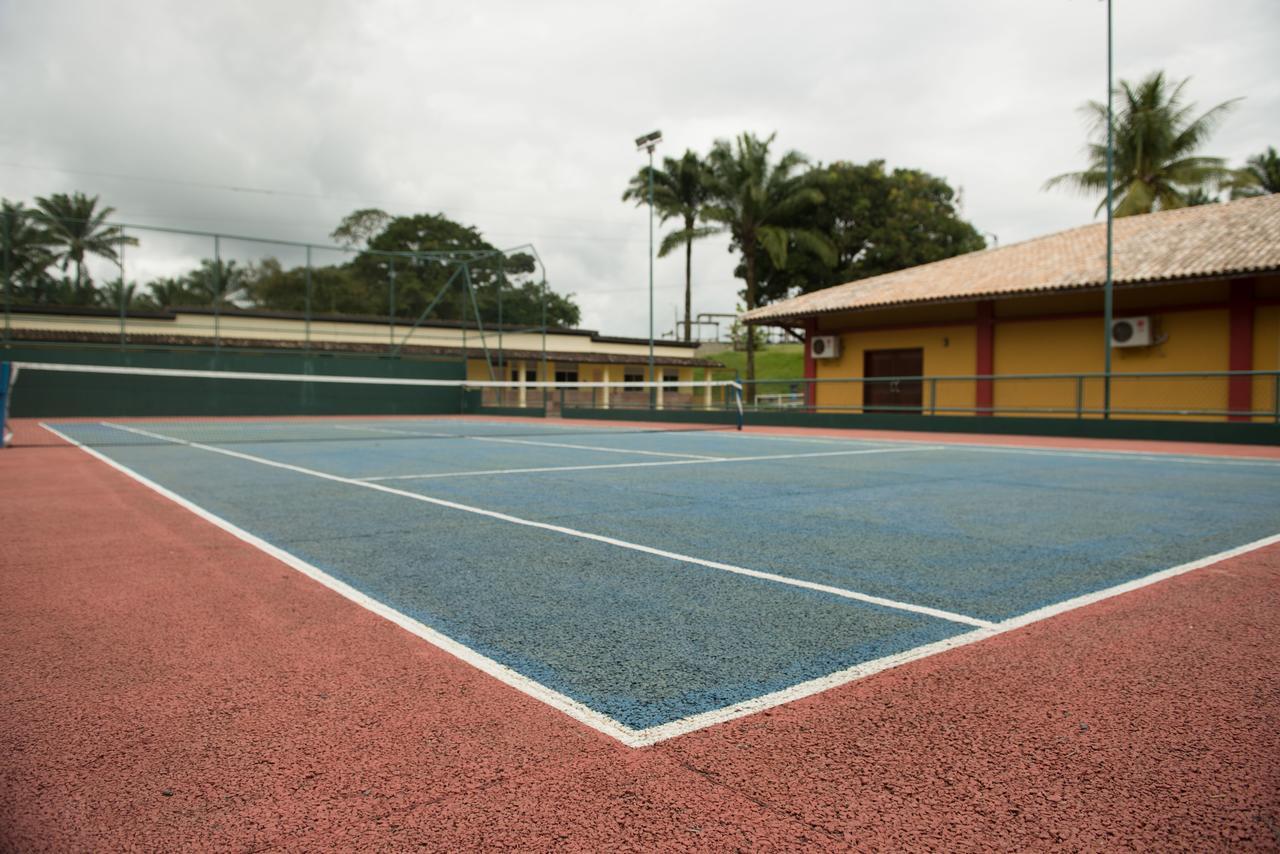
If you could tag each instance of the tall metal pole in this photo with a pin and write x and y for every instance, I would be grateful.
(5, 217)
(306, 321)
(652, 390)
(1107, 292)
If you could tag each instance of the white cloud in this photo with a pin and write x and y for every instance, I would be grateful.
(519, 117)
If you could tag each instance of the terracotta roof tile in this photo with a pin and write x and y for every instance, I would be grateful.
(1208, 240)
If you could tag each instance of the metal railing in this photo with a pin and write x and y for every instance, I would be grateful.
(1206, 395)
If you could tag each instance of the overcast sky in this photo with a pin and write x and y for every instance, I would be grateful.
(519, 118)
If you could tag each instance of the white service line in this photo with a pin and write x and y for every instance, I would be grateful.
(573, 532)
(357, 429)
(522, 442)
(592, 448)
(650, 464)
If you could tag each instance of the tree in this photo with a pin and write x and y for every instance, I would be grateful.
(679, 191)
(74, 228)
(759, 203)
(359, 227)
(1260, 177)
(28, 255)
(1155, 138)
(879, 222)
(399, 252)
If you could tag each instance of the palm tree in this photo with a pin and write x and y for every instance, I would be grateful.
(756, 201)
(1260, 177)
(26, 253)
(679, 190)
(1155, 140)
(170, 291)
(75, 228)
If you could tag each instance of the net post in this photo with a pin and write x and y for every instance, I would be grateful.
(737, 398)
(6, 375)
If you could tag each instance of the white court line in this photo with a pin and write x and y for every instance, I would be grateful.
(572, 532)
(1037, 450)
(522, 442)
(652, 735)
(593, 448)
(572, 708)
(356, 429)
(650, 464)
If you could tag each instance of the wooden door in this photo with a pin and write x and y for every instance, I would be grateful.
(901, 393)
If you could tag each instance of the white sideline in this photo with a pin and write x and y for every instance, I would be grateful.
(629, 736)
(573, 532)
(572, 708)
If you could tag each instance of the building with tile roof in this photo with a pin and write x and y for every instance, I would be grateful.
(1198, 289)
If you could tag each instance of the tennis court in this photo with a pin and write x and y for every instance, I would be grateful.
(650, 582)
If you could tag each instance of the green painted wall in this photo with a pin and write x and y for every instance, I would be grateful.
(37, 394)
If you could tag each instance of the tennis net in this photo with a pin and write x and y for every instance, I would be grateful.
(54, 403)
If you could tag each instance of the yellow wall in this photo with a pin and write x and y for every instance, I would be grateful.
(1029, 339)
(1191, 341)
(948, 351)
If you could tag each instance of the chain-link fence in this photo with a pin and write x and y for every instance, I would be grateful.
(88, 280)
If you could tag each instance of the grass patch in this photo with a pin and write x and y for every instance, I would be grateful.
(773, 362)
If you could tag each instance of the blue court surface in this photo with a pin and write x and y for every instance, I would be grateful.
(654, 576)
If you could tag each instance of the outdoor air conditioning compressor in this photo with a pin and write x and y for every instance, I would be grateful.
(824, 347)
(1131, 332)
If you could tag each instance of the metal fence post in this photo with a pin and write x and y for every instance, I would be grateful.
(933, 396)
(5, 220)
(124, 308)
(1080, 397)
(217, 292)
(306, 312)
(391, 304)
(1276, 399)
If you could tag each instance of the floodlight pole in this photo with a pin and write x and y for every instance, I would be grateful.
(1108, 289)
(649, 142)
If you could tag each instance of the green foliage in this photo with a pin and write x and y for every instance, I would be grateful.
(1155, 137)
(762, 204)
(74, 227)
(359, 227)
(878, 222)
(421, 254)
(1259, 177)
(680, 191)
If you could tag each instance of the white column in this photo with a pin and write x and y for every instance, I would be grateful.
(522, 392)
(706, 392)
(604, 377)
(658, 374)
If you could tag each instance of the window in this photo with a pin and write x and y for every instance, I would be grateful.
(670, 378)
(530, 376)
(629, 378)
(566, 376)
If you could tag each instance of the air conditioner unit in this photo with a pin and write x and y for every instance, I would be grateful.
(824, 347)
(1131, 332)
